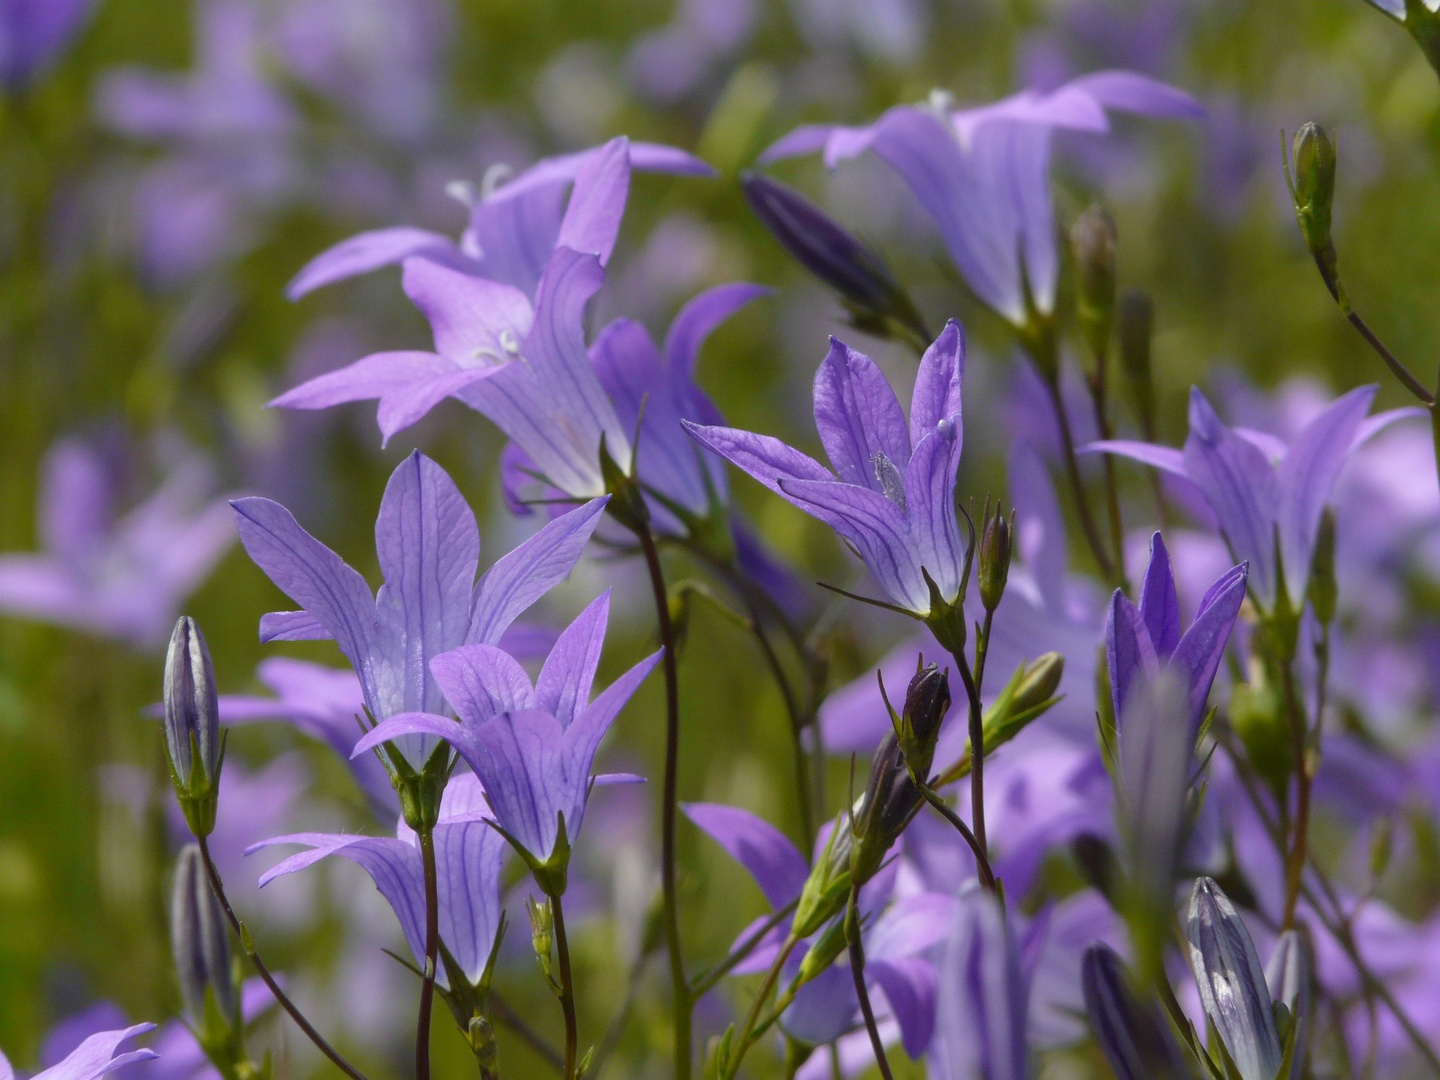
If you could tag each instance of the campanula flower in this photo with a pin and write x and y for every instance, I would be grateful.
(32, 35)
(982, 174)
(892, 494)
(429, 547)
(1132, 1034)
(531, 745)
(1267, 496)
(122, 577)
(468, 858)
(1139, 640)
(93, 1058)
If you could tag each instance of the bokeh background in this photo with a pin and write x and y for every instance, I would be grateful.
(177, 161)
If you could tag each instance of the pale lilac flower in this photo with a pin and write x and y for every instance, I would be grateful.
(1140, 640)
(670, 62)
(33, 33)
(122, 577)
(429, 548)
(468, 858)
(531, 745)
(93, 1058)
(982, 174)
(1267, 496)
(894, 495)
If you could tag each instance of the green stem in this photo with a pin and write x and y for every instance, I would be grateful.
(857, 972)
(982, 859)
(705, 982)
(1076, 481)
(1399, 370)
(432, 952)
(977, 754)
(753, 1029)
(567, 990)
(248, 945)
(681, 1003)
(1300, 827)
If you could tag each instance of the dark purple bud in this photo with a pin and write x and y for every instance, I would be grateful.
(997, 542)
(193, 742)
(1232, 983)
(821, 245)
(1133, 1035)
(201, 943)
(889, 802)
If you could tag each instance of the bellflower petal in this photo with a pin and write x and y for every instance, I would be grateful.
(1199, 652)
(369, 251)
(93, 1058)
(937, 385)
(930, 501)
(1130, 92)
(597, 202)
(563, 685)
(764, 457)
(981, 1006)
(1159, 603)
(1134, 1038)
(1165, 458)
(699, 318)
(858, 418)
(771, 859)
(474, 321)
(292, 626)
(1129, 651)
(482, 681)
(911, 985)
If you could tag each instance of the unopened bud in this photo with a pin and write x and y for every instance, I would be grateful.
(825, 248)
(1313, 191)
(1038, 684)
(1322, 589)
(1132, 1034)
(889, 802)
(1288, 976)
(542, 931)
(201, 943)
(997, 542)
(193, 743)
(1137, 326)
(1092, 239)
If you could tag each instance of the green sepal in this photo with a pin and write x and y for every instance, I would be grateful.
(945, 620)
(200, 799)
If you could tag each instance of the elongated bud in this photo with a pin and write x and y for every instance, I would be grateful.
(823, 246)
(1322, 590)
(1137, 326)
(997, 542)
(542, 931)
(201, 943)
(1288, 976)
(1231, 982)
(1038, 684)
(193, 743)
(1092, 240)
(1312, 188)
(1133, 1036)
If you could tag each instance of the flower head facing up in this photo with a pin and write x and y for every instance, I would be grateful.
(1267, 497)
(531, 745)
(892, 494)
(982, 174)
(429, 547)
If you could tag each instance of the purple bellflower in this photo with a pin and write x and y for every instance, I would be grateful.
(894, 496)
(983, 1005)
(1139, 640)
(531, 745)
(120, 577)
(982, 174)
(93, 1058)
(32, 35)
(515, 224)
(429, 547)
(468, 857)
(897, 935)
(1267, 497)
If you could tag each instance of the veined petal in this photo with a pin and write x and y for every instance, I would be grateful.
(911, 985)
(1159, 604)
(417, 723)
(806, 139)
(522, 576)
(1199, 652)
(771, 859)
(877, 527)
(858, 417)
(937, 385)
(563, 686)
(764, 457)
(368, 251)
(476, 322)
(373, 376)
(482, 681)
(981, 1003)
(315, 577)
(1162, 457)
(529, 779)
(468, 859)
(292, 626)
(1129, 651)
(1131, 92)
(597, 201)
(930, 501)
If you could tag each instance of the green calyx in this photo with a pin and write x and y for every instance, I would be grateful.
(200, 798)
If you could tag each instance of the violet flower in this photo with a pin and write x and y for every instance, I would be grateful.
(33, 33)
(1267, 497)
(119, 577)
(428, 546)
(93, 1058)
(516, 223)
(531, 745)
(893, 498)
(1140, 640)
(468, 858)
(982, 174)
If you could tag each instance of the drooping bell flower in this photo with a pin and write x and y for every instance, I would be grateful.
(429, 547)
(892, 494)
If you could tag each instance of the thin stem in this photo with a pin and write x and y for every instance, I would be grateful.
(706, 981)
(679, 988)
(982, 651)
(1077, 483)
(1399, 370)
(528, 1035)
(567, 990)
(753, 1029)
(432, 951)
(977, 754)
(982, 859)
(1099, 396)
(1300, 827)
(248, 945)
(857, 972)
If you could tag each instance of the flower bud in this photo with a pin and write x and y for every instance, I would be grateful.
(1092, 240)
(1322, 589)
(193, 743)
(997, 542)
(542, 932)
(201, 943)
(821, 245)
(1137, 325)
(1312, 189)
(1288, 976)
(1132, 1035)
(1231, 982)
(889, 802)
